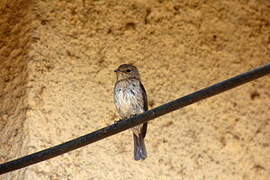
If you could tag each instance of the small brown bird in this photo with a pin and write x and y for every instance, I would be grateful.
(130, 99)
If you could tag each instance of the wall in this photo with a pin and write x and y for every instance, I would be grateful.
(15, 31)
(179, 47)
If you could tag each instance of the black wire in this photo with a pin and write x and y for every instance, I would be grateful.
(131, 122)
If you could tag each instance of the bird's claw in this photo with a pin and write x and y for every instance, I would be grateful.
(117, 121)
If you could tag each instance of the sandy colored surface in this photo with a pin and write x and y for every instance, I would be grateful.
(15, 36)
(59, 86)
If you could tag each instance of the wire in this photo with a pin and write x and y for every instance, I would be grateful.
(133, 121)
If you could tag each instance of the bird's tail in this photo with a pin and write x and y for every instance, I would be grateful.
(139, 147)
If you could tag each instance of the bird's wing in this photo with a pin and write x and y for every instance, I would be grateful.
(145, 107)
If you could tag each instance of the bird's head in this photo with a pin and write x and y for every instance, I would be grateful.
(126, 71)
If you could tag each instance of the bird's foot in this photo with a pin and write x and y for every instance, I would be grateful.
(117, 121)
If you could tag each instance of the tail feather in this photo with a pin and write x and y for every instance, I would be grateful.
(140, 152)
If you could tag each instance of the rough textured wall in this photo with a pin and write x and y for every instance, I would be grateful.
(180, 47)
(15, 28)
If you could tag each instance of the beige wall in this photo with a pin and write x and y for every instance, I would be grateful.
(15, 37)
(58, 86)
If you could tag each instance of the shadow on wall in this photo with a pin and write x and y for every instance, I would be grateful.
(14, 43)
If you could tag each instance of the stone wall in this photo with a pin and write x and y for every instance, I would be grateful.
(59, 86)
(15, 33)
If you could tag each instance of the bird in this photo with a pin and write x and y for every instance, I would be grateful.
(130, 99)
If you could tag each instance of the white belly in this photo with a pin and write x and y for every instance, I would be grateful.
(129, 99)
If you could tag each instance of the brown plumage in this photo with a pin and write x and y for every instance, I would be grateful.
(130, 99)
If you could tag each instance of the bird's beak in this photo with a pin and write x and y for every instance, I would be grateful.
(117, 70)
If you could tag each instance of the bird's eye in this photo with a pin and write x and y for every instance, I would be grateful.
(128, 70)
